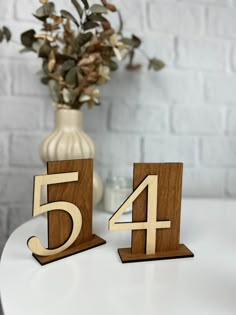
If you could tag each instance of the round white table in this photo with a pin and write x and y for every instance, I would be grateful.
(95, 282)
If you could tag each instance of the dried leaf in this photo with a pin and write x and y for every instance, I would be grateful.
(45, 36)
(52, 61)
(67, 65)
(49, 27)
(61, 58)
(57, 19)
(82, 39)
(111, 7)
(98, 8)
(92, 77)
(1, 36)
(7, 33)
(156, 64)
(89, 25)
(27, 38)
(45, 67)
(45, 80)
(113, 65)
(86, 5)
(134, 42)
(67, 15)
(45, 11)
(66, 95)
(106, 25)
(96, 17)
(44, 50)
(78, 7)
(87, 60)
(71, 76)
(54, 90)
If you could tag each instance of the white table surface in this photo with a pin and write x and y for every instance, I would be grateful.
(96, 282)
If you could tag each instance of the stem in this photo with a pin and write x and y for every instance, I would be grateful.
(121, 23)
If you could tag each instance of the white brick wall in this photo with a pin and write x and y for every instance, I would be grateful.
(185, 113)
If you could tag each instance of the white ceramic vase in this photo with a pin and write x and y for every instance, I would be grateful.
(68, 141)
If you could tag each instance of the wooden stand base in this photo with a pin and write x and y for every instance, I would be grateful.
(127, 257)
(96, 241)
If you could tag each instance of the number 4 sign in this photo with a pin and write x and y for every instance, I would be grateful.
(69, 210)
(156, 214)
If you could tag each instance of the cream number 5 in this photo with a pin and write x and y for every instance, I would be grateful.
(34, 243)
(151, 181)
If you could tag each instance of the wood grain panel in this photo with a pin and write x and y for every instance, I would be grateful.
(79, 193)
(127, 256)
(168, 205)
(94, 242)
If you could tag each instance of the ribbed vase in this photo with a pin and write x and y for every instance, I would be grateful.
(68, 141)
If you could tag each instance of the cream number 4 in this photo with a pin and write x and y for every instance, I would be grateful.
(151, 181)
(34, 243)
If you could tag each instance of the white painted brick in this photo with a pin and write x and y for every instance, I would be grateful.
(231, 183)
(24, 150)
(233, 57)
(171, 86)
(220, 151)
(49, 122)
(150, 87)
(176, 18)
(197, 120)
(17, 185)
(3, 149)
(116, 149)
(123, 84)
(21, 113)
(202, 54)
(94, 120)
(222, 2)
(6, 9)
(25, 9)
(231, 122)
(26, 80)
(159, 46)
(170, 149)
(132, 13)
(3, 227)
(136, 118)
(203, 182)
(220, 88)
(4, 78)
(108, 171)
(221, 21)
(19, 215)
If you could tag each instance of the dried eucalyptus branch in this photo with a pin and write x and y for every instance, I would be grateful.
(79, 51)
(5, 33)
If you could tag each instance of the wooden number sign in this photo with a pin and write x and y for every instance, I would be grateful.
(156, 213)
(69, 210)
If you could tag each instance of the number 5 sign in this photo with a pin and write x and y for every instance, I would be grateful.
(156, 213)
(69, 210)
